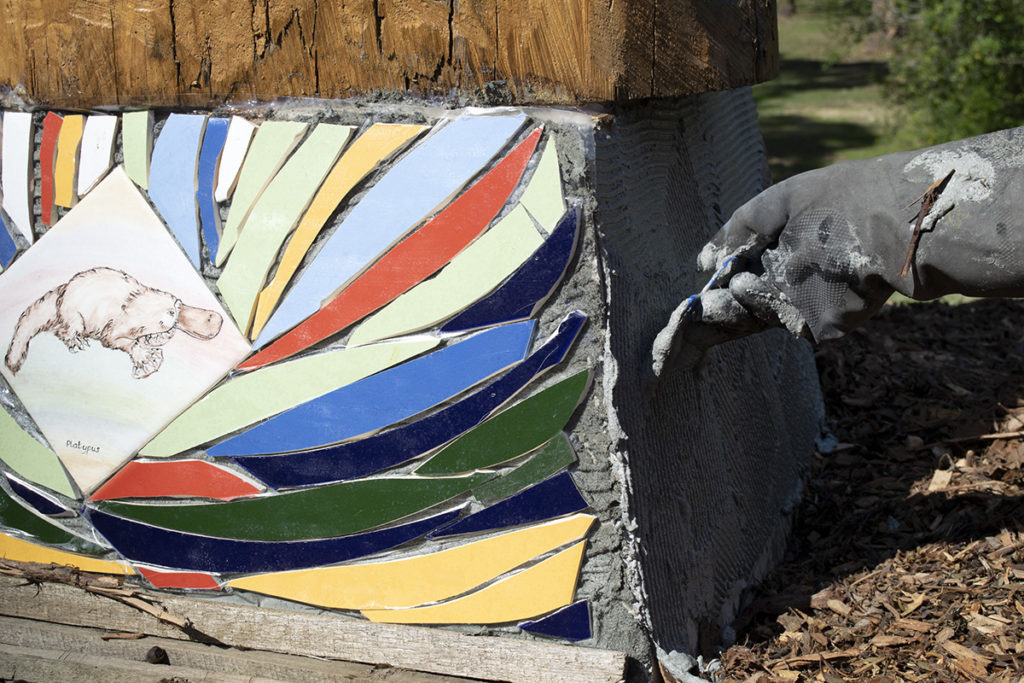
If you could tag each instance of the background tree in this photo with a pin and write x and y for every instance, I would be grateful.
(958, 65)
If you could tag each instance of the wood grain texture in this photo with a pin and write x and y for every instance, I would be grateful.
(319, 635)
(41, 651)
(83, 53)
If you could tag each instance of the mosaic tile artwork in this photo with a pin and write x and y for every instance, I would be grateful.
(373, 421)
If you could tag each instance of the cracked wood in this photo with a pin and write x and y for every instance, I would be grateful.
(84, 53)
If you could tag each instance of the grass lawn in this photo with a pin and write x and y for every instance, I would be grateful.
(827, 106)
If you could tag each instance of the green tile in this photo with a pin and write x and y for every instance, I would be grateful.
(556, 455)
(15, 516)
(323, 512)
(31, 459)
(520, 429)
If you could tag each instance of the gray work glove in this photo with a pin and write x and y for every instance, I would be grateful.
(821, 252)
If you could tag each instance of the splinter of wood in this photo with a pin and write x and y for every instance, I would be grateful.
(927, 199)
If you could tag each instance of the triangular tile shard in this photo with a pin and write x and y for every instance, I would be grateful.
(40, 501)
(569, 623)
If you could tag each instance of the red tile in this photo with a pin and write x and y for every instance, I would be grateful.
(47, 159)
(174, 478)
(195, 580)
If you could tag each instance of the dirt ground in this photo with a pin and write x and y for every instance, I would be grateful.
(907, 558)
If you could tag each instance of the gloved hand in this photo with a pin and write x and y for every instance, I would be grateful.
(820, 252)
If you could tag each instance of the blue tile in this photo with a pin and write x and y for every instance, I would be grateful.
(378, 452)
(387, 397)
(172, 178)
(7, 246)
(519, 297)
(178, 550)
(552, 498)
(213, 143)
(569, 623)
(37, 500)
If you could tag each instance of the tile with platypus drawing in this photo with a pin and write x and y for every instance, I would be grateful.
(108, 331)
(340, 394)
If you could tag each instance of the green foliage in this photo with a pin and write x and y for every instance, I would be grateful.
(958, 65)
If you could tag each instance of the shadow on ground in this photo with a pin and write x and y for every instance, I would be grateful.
(798, 143)
(905, 396)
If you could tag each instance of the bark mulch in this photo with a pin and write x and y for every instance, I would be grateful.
(907, 558)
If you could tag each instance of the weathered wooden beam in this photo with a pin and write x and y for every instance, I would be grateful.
(88, 53)
(34, 650)
(315, 635)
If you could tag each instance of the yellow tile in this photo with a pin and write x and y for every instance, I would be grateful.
(376, 144)
(67, 158)
(417, 580)
(12, 548)
(542, 588)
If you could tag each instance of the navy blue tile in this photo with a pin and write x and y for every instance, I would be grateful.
(175, 549)
(387, 397)
(553, 497)
(355, 459)
(569, 623)
(519, 297)
(40, 502)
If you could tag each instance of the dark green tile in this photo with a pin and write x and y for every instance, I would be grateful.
(556, 455)
(15, 516)
(518, 430)
(323, 512)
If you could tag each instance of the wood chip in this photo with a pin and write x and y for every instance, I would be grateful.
(960, 652)
(940, 480)
(889, 641)
(839, 607)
